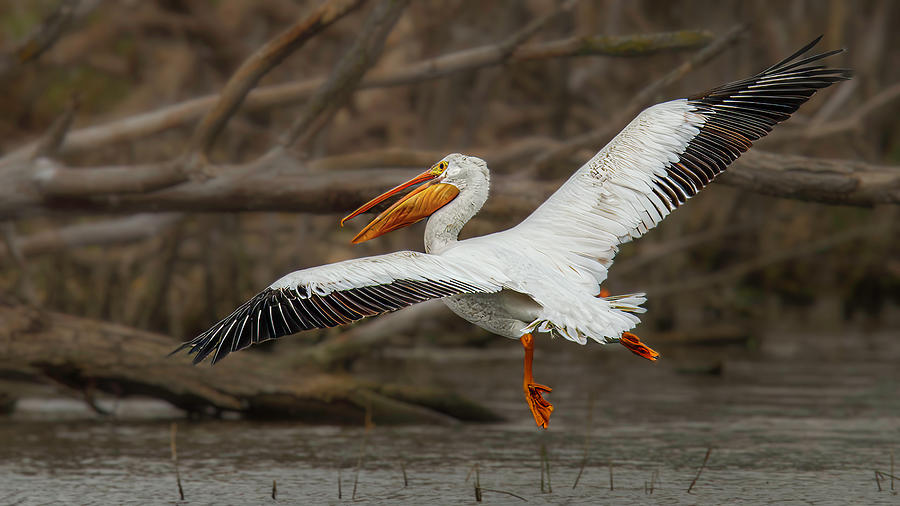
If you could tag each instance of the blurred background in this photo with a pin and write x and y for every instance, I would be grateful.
(144, 197)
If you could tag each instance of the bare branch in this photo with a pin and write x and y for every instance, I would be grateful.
(259, 63)
(348, 72)
(53, 139)
(277, 185)
(622, 46)
(266, 97)
(829, 181)
(609, 128)
(57, 181)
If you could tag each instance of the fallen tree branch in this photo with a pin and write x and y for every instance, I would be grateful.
(82, 353)
(824, 180)
(266, 97)
(276, 184)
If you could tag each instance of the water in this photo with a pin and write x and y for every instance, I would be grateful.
(782, 431)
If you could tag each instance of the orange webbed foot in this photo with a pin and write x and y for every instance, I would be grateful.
(634, 345)
(540, 407)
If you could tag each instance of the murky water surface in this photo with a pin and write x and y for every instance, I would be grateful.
(781, 431)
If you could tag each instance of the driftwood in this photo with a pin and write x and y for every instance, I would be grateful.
(92, 356)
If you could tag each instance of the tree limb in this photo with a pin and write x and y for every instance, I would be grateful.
(276, 184)
(348, 72)
(98, 233)
(828, 181)
(82, 353)
(259, 63)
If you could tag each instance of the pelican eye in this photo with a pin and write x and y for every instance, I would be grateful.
(439, 168)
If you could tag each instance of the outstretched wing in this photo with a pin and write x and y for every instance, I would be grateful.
(337, 294)
(667, 154)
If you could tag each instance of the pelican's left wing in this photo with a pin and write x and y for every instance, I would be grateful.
(337, 294)
(667, 154)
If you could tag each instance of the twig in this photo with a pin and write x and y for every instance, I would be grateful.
(477, 484)
(702, 466)
(261, 62)
(403, 469)
(174, 430)
(348, 72)
(545, 469)
(502, 492)
(611, 475)
(614, 45)
(362, 449)
(56, 134)
(587, 436)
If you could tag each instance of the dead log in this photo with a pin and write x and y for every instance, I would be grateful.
(93, 356)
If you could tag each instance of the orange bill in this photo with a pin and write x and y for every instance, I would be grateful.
(421, 178)
(415, 206)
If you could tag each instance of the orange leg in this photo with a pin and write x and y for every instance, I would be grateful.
(634, 345)
(534, 393)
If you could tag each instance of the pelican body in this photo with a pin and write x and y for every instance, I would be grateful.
(545, 274)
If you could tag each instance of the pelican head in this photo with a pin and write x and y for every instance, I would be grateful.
(443, 182)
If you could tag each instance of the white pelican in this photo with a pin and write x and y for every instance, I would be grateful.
(543, 275)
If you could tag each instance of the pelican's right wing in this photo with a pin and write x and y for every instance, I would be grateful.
(667, 154)
(337, 294)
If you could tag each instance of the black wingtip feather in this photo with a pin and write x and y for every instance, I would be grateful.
(738, 113)
(278, 312)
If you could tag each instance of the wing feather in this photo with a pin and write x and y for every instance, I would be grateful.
(338, 294)
(666, 155)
